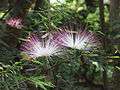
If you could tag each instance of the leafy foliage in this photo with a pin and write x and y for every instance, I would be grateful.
(12, 78)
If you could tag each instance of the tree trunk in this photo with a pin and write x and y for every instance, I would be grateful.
(21, 8)
(11, 3)
(114, 22)
(3, 5)
(91, 5)
(42, 4)
(105, 42)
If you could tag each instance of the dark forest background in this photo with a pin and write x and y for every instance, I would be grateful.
(96, 71)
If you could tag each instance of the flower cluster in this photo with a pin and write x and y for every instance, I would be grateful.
(15, 22)
(38, 47)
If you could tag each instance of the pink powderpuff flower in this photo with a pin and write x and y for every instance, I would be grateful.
(15, 22)
(35, 47)
(82, 40)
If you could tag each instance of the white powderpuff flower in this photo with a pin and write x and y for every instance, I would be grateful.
(36, 47)
(82, 40)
